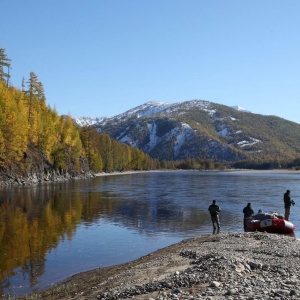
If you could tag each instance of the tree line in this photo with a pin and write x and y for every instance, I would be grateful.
(25, 119)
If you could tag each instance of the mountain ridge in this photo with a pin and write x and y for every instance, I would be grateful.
(204, 130)
(89, 121)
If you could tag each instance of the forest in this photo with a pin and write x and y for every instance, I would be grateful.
(34, 138)
(28, 126)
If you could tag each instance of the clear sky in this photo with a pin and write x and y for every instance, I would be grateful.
(99, 58)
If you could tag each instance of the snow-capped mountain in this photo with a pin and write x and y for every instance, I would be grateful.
(147, 109)
(200, 129)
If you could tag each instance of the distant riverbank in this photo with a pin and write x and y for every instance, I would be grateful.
(249, 171)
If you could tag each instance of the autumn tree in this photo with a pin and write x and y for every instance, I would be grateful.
(90, 141)
(13, 125)
(105, 148)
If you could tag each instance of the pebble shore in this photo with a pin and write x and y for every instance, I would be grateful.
(234, 266)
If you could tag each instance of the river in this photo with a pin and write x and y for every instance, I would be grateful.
(51, 231)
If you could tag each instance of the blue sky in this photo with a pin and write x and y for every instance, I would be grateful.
(101, 58)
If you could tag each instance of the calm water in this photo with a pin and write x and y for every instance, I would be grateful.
(49, 232)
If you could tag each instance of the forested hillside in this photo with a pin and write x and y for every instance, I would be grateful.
(37, 143)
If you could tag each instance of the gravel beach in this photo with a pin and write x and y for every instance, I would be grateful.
(222, 266)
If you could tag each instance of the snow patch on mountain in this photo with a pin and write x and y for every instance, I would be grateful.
(147, 109)
(153, 139)
(122, 134)
(252, 141)
(127, 140)
(202, 104)
(89, 121)
(223, 132)
(181, 137)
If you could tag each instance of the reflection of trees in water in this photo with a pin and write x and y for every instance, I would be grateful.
(34, 267)
(34, 220)
(31, 223)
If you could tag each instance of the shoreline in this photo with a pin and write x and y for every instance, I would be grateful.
(31, 180)
(238, 171)
(221, 266)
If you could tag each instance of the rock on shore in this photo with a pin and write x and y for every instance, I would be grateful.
(225, 266)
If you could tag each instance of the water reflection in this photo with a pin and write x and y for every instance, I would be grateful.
(35, 221)
(29, 228)
(89, 221)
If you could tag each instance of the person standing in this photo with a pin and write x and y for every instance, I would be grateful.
(287, 204)
(214, 210)
(248, 212)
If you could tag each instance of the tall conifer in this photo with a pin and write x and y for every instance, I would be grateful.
(4, 66)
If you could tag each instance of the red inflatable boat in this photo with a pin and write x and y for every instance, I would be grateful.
(269, 222)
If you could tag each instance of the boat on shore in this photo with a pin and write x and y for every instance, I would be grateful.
(272, 222)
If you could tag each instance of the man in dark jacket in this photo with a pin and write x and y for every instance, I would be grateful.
(214, 210)
(287, 204)
(248, 212)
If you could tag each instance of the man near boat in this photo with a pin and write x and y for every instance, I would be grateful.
(214, 210)
(248, 212)
(288, 202)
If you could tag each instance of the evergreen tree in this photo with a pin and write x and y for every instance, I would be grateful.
(35, 93)
(36, 105)
(4, 66)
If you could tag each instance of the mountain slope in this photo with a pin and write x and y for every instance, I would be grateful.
(205, 130)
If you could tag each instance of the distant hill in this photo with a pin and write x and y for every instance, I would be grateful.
(202, 129)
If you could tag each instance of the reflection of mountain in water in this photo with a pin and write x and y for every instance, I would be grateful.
(156, 206)
(158, 216)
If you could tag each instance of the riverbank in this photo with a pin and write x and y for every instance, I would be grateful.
(7, 180)
(238, 171)
(223, 266)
